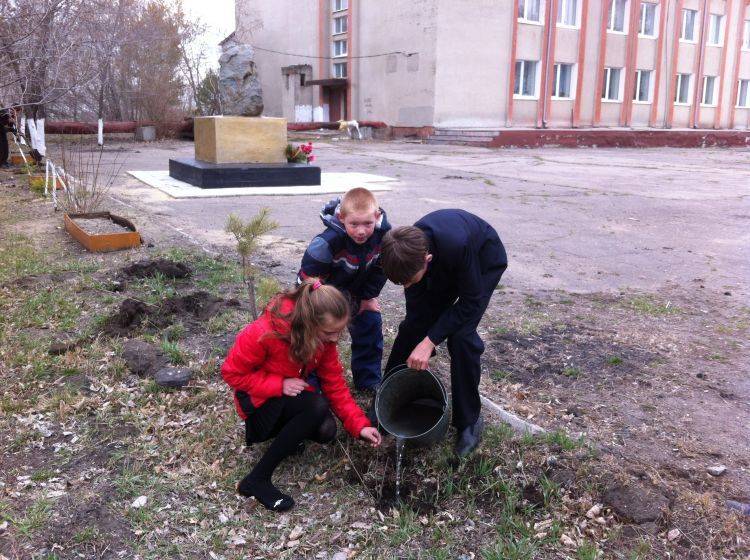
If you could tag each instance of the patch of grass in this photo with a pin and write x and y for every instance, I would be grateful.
(718, 358)
(20, 258)
(648, 306)
(587, 551)
(175, 332)
(614, 360)
(499, 375)
(42, 475)
(571, 372)
(408, 526)
(158, 287)
(523, 548)
(563, 440)
(86, 535)
(48, 307)
(489, 182)
(266, 289)
(36, 517)
(222, 323)
(213, 273)
(176, 355)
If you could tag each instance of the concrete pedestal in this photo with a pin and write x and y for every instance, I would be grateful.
(240, 139)
(221, 175)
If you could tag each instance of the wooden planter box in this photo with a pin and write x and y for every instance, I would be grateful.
(103, 242)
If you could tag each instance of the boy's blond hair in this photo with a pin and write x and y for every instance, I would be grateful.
(358, 199)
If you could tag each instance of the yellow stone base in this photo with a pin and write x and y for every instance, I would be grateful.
(240, 139)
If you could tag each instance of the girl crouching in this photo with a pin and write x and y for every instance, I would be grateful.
(267, 367)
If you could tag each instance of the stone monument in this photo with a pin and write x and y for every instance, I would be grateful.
(240, 148)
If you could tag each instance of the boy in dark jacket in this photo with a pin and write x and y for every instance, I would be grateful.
(347, 255)
(449, 264)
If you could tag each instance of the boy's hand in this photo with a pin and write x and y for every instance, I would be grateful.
(292, 386)
(369, 305)
(420, 356)
(372, 435)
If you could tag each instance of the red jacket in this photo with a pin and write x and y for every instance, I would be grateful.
(257, 365)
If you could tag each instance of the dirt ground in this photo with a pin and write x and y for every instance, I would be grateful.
(621, 327)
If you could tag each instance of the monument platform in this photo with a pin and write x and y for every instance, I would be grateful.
(208, 175)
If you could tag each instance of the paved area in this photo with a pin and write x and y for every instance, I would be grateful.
(582, 220)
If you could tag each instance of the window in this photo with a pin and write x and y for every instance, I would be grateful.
(743, 93)
(567, 13)
(642, 92)
(563, 78)
(617, 16)
(339, 5)
(340, 25)
(709, 85)
(715, 30)
(648, 20)
(339, 69)
(530, 10)
(339, 47)
(746, 36)
(682, 91)
(611, 84)
(525, 85)
(688, 25)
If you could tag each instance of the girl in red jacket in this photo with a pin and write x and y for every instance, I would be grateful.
(267, 367)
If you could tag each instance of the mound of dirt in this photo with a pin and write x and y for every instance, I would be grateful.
(142, 358)
(637, 502)
(128, 317)
(149, 268)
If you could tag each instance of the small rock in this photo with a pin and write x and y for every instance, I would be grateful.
(142, 358)
(739, 506)
(673, 535)
(341, 555)
(296, 533)
(700, 375)
(139, 502)
(173, 377)
(551, 461)
(292, 544)
(727, 293)
(574, 410)
(567, 541)
(716, 470)
(594, 511)
(62, 347)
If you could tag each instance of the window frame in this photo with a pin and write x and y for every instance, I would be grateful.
(746, 36)
(344, 6)
(577, 23)
(650, 93)
(343, 54)
(747, 94)
(522, 17)
(342, 64)
(641, 21)
(711, 19)
(713, 91)
(678, 87)
(684, 24)
(345, 26)
(520, 78)
(608, 82)
(625, 18)
(555, 81)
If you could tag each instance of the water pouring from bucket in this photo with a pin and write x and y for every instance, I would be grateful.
(413, 406)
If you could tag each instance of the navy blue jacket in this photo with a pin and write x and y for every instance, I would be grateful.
(463, 248)
(336, 259)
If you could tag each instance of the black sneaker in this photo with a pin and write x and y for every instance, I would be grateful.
(468, 439)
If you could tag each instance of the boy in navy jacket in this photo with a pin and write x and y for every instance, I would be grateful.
(449, 264)
(347, 255)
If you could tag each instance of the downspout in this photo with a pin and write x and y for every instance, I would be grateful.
(698, 94)
(551, 23)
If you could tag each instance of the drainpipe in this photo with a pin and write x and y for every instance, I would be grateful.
(551, 23)
(701, 60)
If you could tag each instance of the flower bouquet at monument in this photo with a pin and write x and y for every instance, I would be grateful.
(300, 154)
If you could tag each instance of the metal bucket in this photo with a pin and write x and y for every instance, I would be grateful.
(413, 405)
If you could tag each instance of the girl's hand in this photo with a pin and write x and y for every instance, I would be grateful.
(372, 435)
(292, 386)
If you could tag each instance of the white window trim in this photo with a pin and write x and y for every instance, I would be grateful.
(691, 85)
(333, 49)
(715, 92)
(542, 14)
(621, 85)
(739, 88)
(684, 21)
(537, 81)
(335, 11)
(573, 80)
(334, 33)
(657, 21)
(650, 87)
(721, 31)
(333, 70)
(576, 25)
(625, 22)
(745, 31)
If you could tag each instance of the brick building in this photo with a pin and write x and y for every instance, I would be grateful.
(494, 64)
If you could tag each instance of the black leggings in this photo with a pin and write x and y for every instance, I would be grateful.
(291, 420)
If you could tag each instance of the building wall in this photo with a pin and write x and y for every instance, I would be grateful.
(461, 68)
